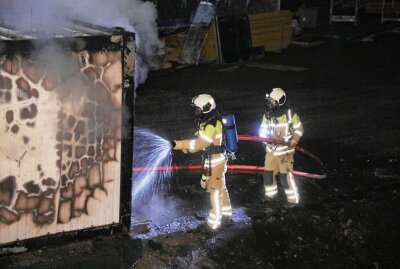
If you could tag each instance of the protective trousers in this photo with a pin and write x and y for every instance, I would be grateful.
(219, 196)
(284, 165)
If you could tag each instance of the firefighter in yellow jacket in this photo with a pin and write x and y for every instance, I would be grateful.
(280, 123)
(209, 140)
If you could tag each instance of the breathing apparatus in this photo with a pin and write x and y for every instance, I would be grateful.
(206, 113)
(230, 135)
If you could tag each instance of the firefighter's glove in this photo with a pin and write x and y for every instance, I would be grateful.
(292, 143)
(177, 144)
(203, 183)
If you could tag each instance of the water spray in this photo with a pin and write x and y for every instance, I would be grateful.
(150, 151)
(238, 169)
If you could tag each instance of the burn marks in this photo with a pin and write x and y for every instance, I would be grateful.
(24, 193)
(31, 187)
(88, 141)
(7, 190)
(11, 65)
(5, 90)
(30, 200)
(24, 91)
(84, 178)
(33, 72)
(28, 112)
(85, 138)
(40, 205)
(5, 83)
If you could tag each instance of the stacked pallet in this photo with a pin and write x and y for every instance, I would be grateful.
(375, 6)
(210, 49)
(174, 44)
(272, 30)
(173, 47)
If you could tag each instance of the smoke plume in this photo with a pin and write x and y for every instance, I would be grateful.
(50, 17)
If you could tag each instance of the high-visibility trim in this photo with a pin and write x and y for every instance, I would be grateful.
(295, 197)
(281, 153)
(277, 149)
(216, 221)
(287, 138)
(214, 224)
(205, 137)
(215, 161)
(218, 136)
(270, 191)
(227, 211)
(289, 192)
(289, 115)
(217, 204)
(298, 132)
(297, 125)
(213, 219)
(274, 125)
(270, 188)
(271, 194)
(192, 144)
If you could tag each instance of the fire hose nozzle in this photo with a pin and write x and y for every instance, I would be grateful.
(173, 144)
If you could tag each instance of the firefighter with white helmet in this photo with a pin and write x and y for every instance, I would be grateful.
(209, 138)
(280, 123)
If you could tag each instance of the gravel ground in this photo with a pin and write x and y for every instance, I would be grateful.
(347, 99)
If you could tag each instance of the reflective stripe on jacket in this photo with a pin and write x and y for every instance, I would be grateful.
(207, 135)
(284, 128)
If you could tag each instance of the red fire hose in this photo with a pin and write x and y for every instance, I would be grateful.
(242, 169)
(279, 142)
(235, 169)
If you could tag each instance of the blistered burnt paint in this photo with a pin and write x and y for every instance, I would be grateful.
(60, 152)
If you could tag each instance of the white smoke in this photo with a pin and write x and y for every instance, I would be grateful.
(161, 210)
(50, 17)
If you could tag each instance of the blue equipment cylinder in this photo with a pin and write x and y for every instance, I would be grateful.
(230, 133)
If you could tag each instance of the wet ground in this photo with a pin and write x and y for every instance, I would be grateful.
(348, 100)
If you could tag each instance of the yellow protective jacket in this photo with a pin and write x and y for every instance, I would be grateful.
(285, 127)
(209, 133)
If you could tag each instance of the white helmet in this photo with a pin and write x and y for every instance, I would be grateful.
(278, 95)
(205, 102)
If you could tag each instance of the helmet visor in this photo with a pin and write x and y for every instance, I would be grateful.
(270, 104)
(198, 113)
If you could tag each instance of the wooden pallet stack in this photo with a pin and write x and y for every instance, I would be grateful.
(174, 44)
(173, 47)
(273, 30)
(210, 49)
